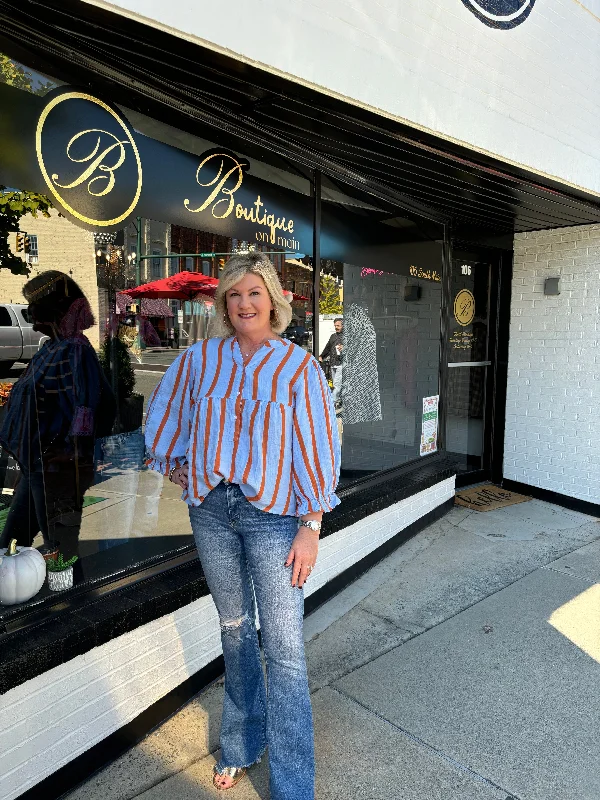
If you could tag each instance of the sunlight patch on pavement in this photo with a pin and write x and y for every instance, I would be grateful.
(579, 621)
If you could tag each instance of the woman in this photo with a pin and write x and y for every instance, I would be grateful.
(245, 425)
(56, 409)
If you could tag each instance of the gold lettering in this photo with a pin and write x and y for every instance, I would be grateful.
(271, 225)
(99, 153)
(258, 204)
(96, 163)
(219, 182)
(257, 213)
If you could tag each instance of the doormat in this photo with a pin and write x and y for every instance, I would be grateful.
(488, 498)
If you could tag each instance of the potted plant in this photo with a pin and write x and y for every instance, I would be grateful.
(116, 363)
(60, 573)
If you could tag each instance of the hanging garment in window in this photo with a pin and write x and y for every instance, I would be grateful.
(360, 381)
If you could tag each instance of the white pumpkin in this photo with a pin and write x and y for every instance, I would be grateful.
(22, 573)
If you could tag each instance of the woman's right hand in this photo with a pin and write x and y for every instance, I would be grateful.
(180, 476)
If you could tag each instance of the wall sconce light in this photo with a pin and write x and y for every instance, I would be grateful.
(412, 293)
(551, 286)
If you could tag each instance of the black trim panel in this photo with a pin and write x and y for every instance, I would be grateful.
(572, 503)
(116, 744)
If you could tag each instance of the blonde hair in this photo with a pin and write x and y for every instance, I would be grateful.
(236, 268)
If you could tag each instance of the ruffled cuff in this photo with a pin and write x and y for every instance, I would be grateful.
(83, 422)
(163, 466)
(312, 505)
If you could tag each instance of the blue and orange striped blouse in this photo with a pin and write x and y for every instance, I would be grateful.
(268, 426)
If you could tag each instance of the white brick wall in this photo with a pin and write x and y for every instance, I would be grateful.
(51, 719)
(552, 431)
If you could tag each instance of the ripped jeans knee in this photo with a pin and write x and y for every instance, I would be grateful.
(238, 627)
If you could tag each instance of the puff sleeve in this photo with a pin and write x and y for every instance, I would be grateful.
(315, 443)
(167, 428)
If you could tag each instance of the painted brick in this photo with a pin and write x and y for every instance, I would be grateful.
(63, 246)
(552, 438)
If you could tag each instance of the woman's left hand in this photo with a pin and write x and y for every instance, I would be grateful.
(303, 555)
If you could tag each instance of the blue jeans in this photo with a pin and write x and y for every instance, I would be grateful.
(242, 548)
(337, 373)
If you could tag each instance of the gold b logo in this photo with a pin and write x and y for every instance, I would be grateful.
(99, 161)
(464, 307)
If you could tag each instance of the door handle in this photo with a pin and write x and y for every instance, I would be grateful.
(471, 364)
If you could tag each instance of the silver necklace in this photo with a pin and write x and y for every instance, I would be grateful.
(254, 349)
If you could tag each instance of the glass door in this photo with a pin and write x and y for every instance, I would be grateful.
(469, 365)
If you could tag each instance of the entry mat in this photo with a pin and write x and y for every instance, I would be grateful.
(87, 501)
(488, 497)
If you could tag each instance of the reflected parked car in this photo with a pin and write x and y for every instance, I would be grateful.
(297, 334)
(18, 340)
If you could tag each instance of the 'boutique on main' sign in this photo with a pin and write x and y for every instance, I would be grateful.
(102, 173)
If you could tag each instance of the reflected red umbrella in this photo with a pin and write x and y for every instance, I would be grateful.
(149, 307)
(183, 286)
(292, 296)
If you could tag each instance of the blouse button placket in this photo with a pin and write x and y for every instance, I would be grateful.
(238, 404)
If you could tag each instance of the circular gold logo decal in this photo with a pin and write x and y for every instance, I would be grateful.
(464, 307)
(89, 158)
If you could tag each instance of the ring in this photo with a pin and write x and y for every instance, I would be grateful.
(309, 568)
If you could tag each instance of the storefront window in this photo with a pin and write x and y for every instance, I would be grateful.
(379, 328)
(120, 280)
(77, 383)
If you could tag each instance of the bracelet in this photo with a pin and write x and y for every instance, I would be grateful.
(311, 524)
(171, 473)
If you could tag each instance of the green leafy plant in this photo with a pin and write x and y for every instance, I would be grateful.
(329, 296)
(58, 564)
(115, 355)
(13, 206)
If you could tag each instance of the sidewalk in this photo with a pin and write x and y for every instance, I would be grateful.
(465, 666)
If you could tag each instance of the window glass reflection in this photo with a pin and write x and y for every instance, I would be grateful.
(379, 329)
(87, 335)
(59, 406)
(73, 406)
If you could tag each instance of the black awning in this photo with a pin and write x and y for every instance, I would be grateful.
(251, 110)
